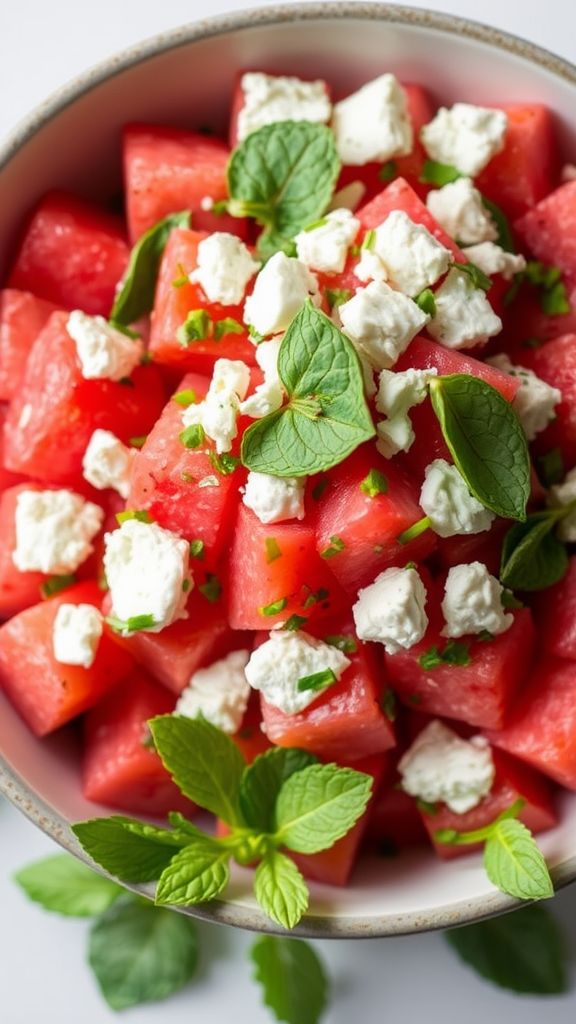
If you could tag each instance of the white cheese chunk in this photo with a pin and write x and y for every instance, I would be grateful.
(148, 573)
(224, 268)
(397, 394)
(391, 610)
(275, 498)
(219, 693)
(107, 462)
(325, 247)
(269, 395)
(463, 316)
(493, 259)
(276, 667)
(394, 435)
(381, 322)
(565, 494)
(404, 253)
(271, 98)
(218, 413)
(441, 767)
(373, 123)
(473, 602)
(535, 401)
(447, 502)
(104, 352)
(76, 634)
(465, 136)
(459, 209)
(54, 530)
(282, 287)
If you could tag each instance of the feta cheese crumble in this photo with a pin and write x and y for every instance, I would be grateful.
(459, 209)
(391, 610)
(397, 394)
(224, 268)
(54, 530)
(218, 413)
(276, 667)
(373, 124)
(273, 499)
(147, 571)
(104, 352)
(493, 259)
(269, 395)
(381, 322)
(325, 247)
(473, 602)
(76, 634)
(404, 253)
(271, 98)
(282, 287)
(447, 502)
(441, 767)
(535, 401)
(106, 463)
(219, 693)
(565, 494)
(463, 317)
(465, 136)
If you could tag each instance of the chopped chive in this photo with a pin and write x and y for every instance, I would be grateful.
(346, 644)
(316, 224)
(369, 240)
(315, 597)
(182, 278)
(374, 483)
(272, 550)
(211, 589)
(185, 398)
(295, 622)
(192, 436)
(227, 326)
(274, 608)
(388, 171)
(197, 549)
(336, 545)
(415, 530)
(224, 464)
(138, 442)
(141, 515)
(388, 705)
(55, 584)
(317, 681)
(132, 624)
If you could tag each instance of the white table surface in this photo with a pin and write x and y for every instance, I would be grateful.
(43, 977)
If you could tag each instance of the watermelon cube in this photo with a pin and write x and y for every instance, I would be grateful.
(22, 317)
(524, 172)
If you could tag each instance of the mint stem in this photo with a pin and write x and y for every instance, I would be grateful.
(415, 530)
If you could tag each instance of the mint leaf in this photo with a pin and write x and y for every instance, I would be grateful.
(435, 173)
(504, 239)
(130, 856)
(283, 175)
(196, 327)
(270, 242)
(140, 953)
(204, 762)
(280, 889)
(64, 885)
(326, 417)
(196, 874)
(486, 441)
(294, 984)
(532, 557)
(523, 951)
(319, 805)
(263, 780)
(136, 296)
(514, 863)
(478, 278)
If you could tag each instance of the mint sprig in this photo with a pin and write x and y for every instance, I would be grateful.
(326, 416)
(283, 801)
(136, 296)
(293, 980)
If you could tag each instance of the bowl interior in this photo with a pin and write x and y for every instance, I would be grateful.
(186, 79)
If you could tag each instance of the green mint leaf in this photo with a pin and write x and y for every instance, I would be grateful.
(292, 978)
(141, 953)
(132, 625)
(227, 326)
(486, 441)
(211, 589)
(431, 659)
(204, 762)
(326, 417)
(64, 885)
(196, 327)
(263, 780)
(129, 855)
(319, 805)
(374, 483)
(514, 863)
(388, 171)
(317, 681)
(196, 874)
(523, 951)
(554, 301)
(280, 889)
(283, 175)
(478, 277)
(426, 301)
(136, 296)
(541, 275)
(434, 173)
(505, 239)
(141, 515)
(346, 644)
(268, 243)
(197, 549)
(185, 398)
(56, 584)
(295, 622)
(551, 468)
(532, 557)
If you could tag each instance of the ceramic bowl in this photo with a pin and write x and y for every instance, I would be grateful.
(185, 78)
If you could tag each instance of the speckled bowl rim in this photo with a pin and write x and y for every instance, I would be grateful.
(11, 784)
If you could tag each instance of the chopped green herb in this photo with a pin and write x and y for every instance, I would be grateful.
(316, 224)
(346, 644)
(388, 171)
(295, 622)
(369, 240)
(192, 436)
(272, 549)
(317, 681)
(374, 483)
(554, 301)
(415, 530)
(454, 653)
(274, 608)
(478, 278)
(336, 545)
(541, 275)
(185, 398)
(196, 327)
(337, 296)
(254, 336)
(182, 278)
(224, 464)
(426, 807)
(315, 597)
(197, 549)
(211, 589)
(509, 601)
(430, 659)
(227, 326)
(55, 584)
(133, 513)
(388, 704)
(426, 301)
(319, 488)
(434, 173)
(138, 442)
(131, 625)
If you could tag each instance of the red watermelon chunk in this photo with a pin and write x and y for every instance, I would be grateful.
(22, 317)
(399, 195)
(556, 614)
(45, 692)
(7, 477)
(525, 171)
(549, 229)
(73, 254)
(555, 362)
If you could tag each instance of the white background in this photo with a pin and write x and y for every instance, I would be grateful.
(43, 977)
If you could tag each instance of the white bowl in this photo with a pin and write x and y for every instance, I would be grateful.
(185, 78)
